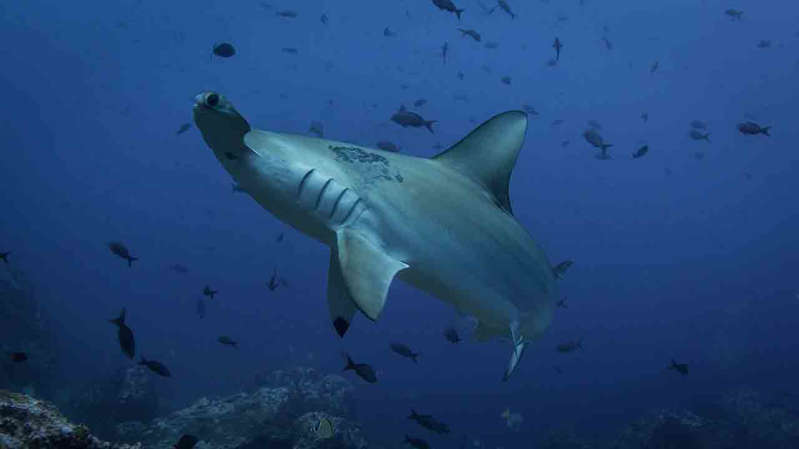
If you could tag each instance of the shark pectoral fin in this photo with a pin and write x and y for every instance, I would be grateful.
(339, 302)
(367, 271)
(518, 350)
(488, 154)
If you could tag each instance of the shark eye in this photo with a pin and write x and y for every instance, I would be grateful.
(211, 100)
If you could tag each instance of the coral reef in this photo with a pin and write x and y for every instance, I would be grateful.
(30, 423)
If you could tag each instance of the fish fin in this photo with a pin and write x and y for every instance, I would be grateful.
(339, 302)
(367, 271)
(488, 154)
(458, 13)
(518, 350)
(350, 363)
(119, 321)
(765, 130)
(429, 125)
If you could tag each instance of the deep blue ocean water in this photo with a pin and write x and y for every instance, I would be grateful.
(690, 252)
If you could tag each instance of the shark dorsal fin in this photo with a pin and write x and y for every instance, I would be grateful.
(488, 154)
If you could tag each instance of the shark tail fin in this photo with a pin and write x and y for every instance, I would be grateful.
(488, 154)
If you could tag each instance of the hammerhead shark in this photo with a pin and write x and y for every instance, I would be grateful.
(442, 224)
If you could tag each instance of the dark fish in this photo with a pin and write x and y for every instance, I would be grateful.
(471, 33)
(447, 5)
(186, 442)
(460, 76)
(552, 62)
(506, 80)
(156, 367)
(444, 49)
(225, 340)
(238, 188)
(224, 50)
(557, 122)
(201, 308)
(645, 117)
(429, 423)
(699, 155)
(608, 44)
(183, 128)
(570, 346)
(752, 128)
(207, 291)
(279, 237)
(363, 370)
(178, 268)
(734, 14)
(124, 335)
(698, 124)
(557, 46)
(420, 102)
(592, 136)
(388, 33)
(491, 45)
(317, 128)
(18, 357)
(654, 67)
(696, 135)
(289, 50)
(118, 249)
(641, 152)
(4, 256)
(560, 269)
(404, 351)
(681, 368)
(405, 118)
(416, 443)
(503, 5)
(764, 44)
(565, 143)
(562, 303)
(274, 282)
(287, 13)
(387, 146)
(323, 19)
(452, 335)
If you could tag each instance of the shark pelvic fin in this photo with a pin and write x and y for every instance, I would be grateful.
(518, 350)
(488, 154)
(367, 271)
(339, 302)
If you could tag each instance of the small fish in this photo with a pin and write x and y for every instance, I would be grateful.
(764, 44)
(363, 370)
(287, 13)
(734, 14)
(560, 269)
(209, 292)
(4, 256)
(429, 423)
(699, 155)
(224, 50)
(565, 143)
(460, 76)
(275, 282)
(557, 122)
(449, 6)
(698, 124)
(317, 128)
(416, 443)
(641, 152)
(444, 50)
(607, 43)
(562, 303)
(491, 45)
(323, 19)
(592, 136)
(387, 146)
(388, 33)
(183, 128)
(696, 135)
(178, 268)
(681, 368)
(452, 335)
(290, 50)
(552, 62)
(506, 80)
(420, 102)
(186, 442)
(124, 335)
(404, 351)
(201, 308)
(570, 346)
(503, 5)
(654, 67)
(752, 129)
(645, 117)
(471, 33)
(406, 118)
(156, 367)
(324, 430)
(120, 250)
(512, 420)
(225, 340)
(557, 46)
(18, 357)
(279, 237)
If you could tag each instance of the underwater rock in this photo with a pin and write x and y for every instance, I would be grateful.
(674, 429)
(282, 413)
(30, 423)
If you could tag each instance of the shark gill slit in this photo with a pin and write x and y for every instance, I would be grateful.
(322, 193)
(352, 209)
(338, 200)
(302, 183)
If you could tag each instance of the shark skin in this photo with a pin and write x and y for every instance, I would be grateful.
(444, 225)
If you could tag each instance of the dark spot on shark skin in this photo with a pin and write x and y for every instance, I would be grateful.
(377, 166)
(399, 178)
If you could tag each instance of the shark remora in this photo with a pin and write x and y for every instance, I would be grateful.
(443, 225)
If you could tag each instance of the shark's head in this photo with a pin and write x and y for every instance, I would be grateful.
(221, 125)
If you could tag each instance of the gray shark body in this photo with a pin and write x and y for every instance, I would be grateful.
(443, 225)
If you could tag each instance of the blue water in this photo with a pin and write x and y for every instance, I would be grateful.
(675, 256)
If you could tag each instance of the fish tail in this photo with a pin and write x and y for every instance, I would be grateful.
(458, 13)
(706, 137)
(429, 125)
(765, 130)
(131, 260)
(414, 357)
(119, 321)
